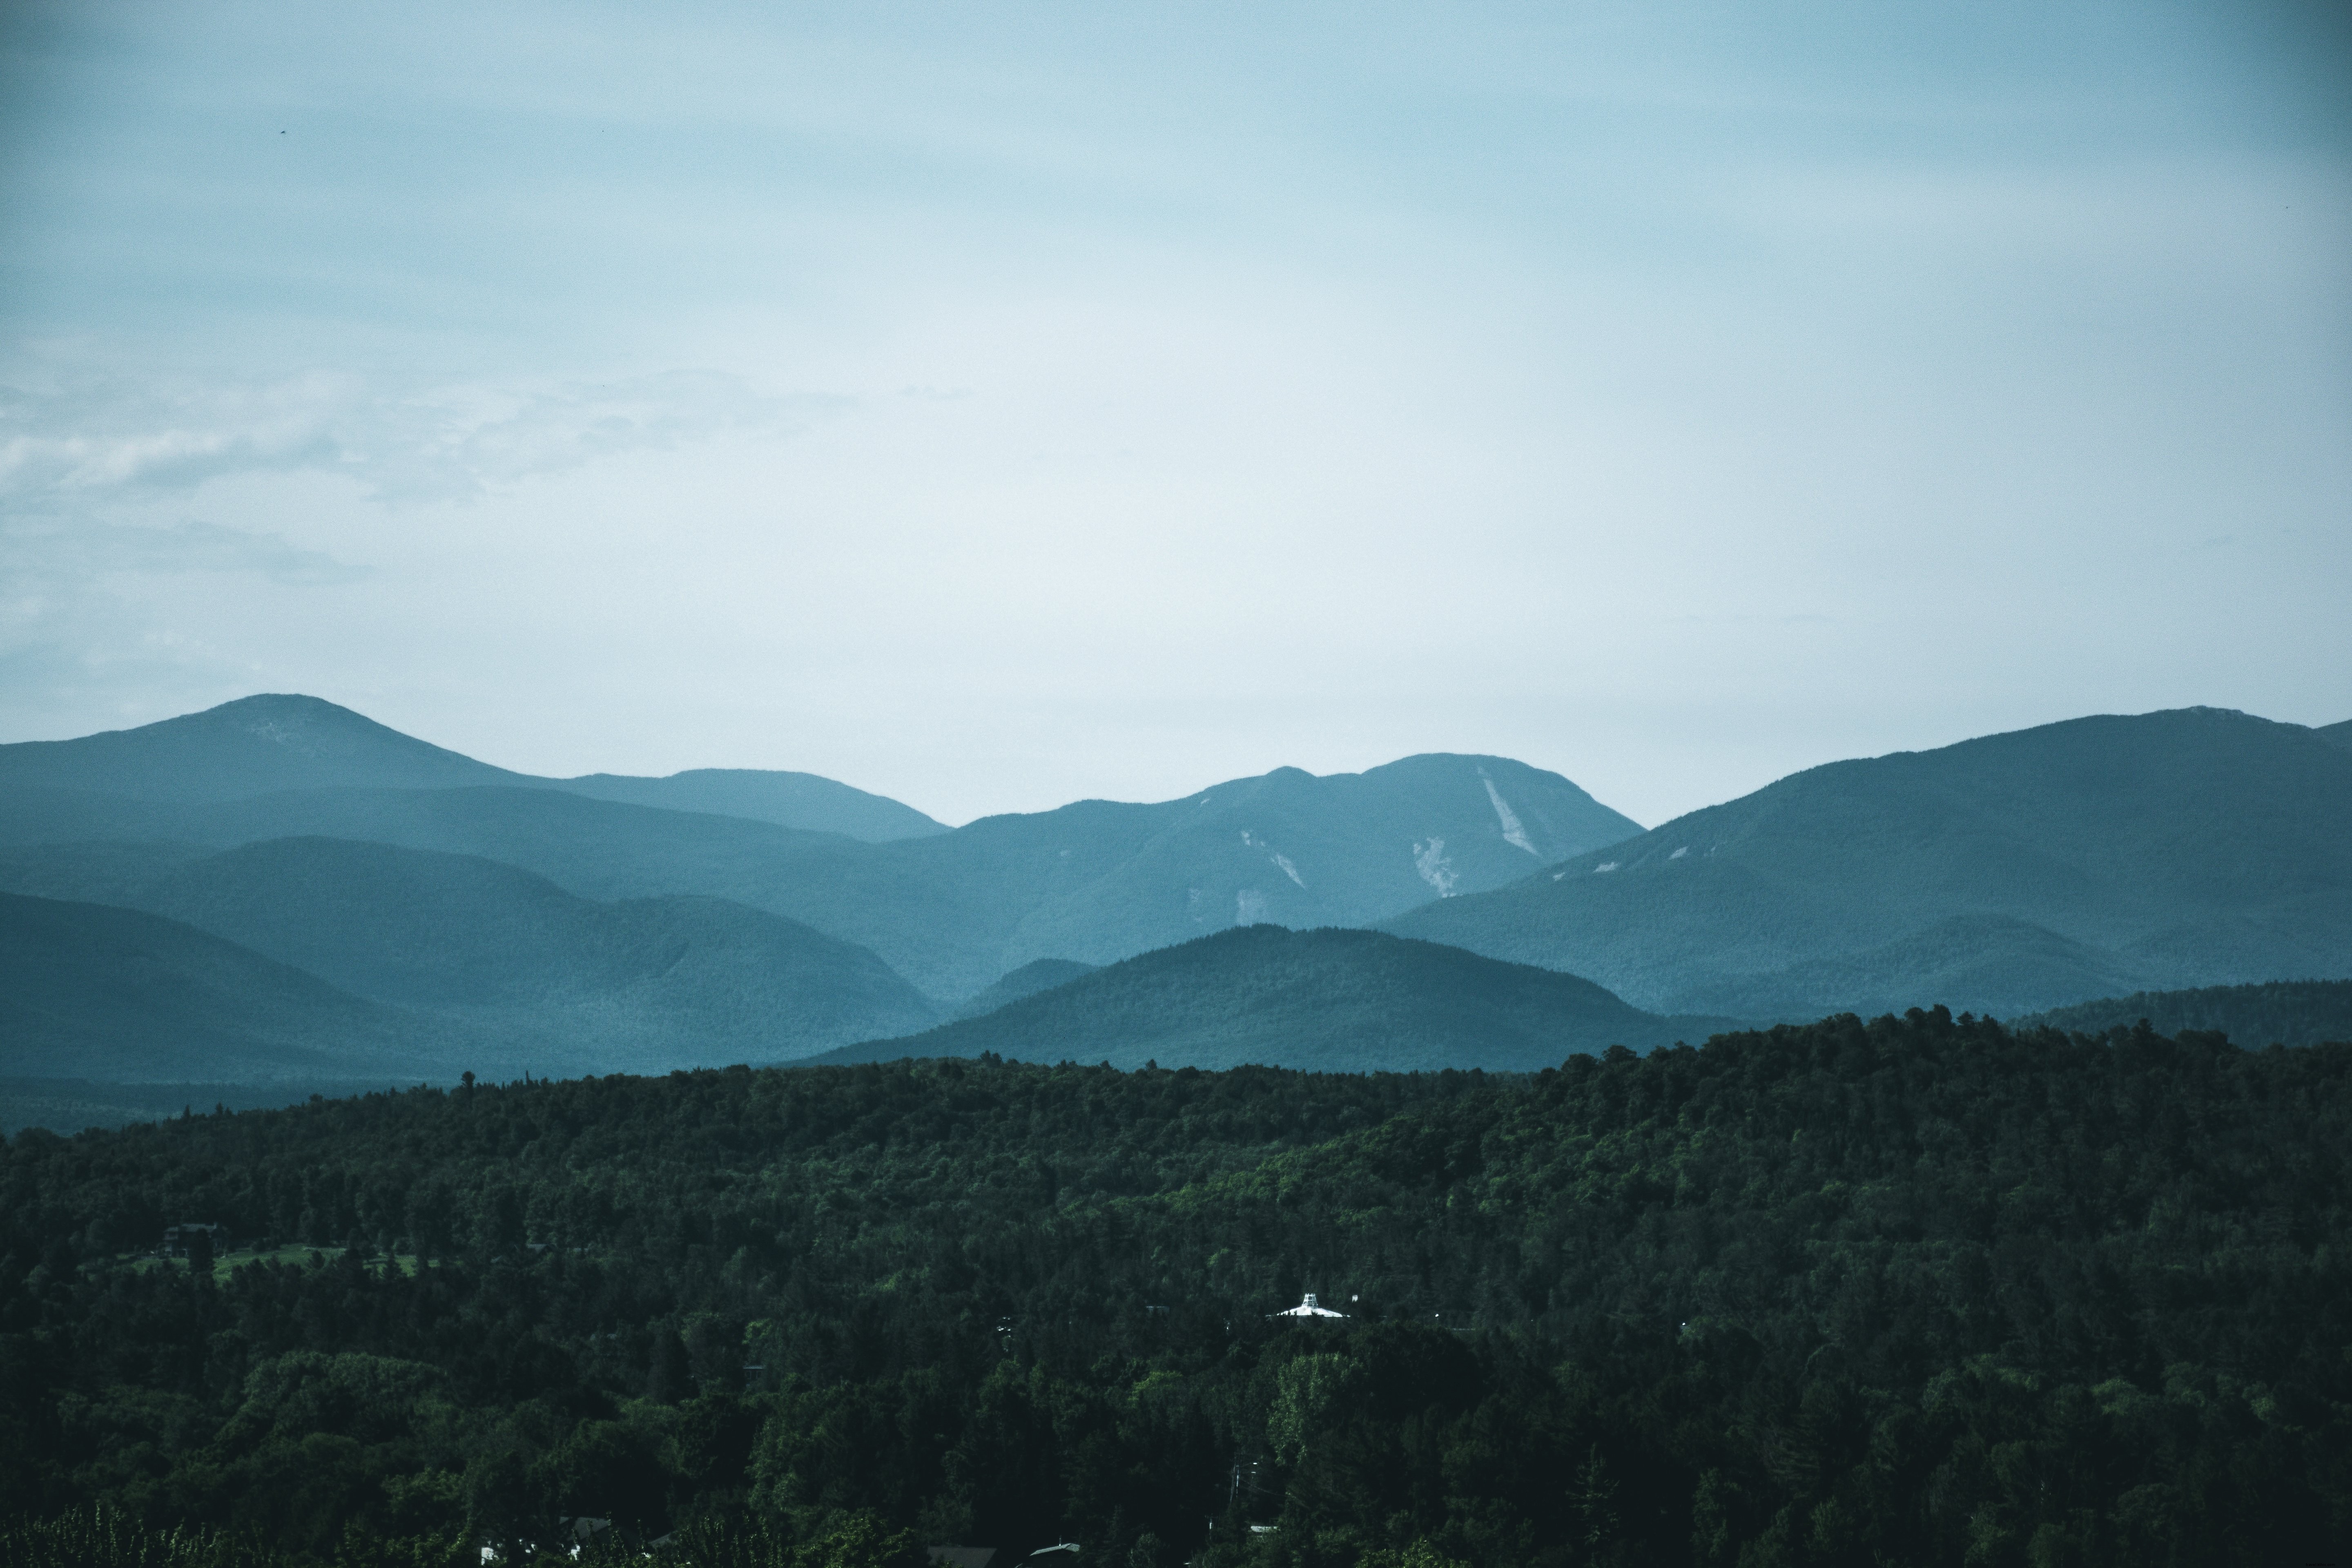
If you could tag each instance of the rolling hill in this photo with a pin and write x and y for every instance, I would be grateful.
(2007, 874)
(535, 973)
(89, 991)
(2279, 1012)
(1326, 1000)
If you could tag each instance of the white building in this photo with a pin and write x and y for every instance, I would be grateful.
(1308, 1308)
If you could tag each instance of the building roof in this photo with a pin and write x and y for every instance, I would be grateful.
(1310, 1307)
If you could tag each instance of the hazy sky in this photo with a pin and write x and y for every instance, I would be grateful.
(997, 404)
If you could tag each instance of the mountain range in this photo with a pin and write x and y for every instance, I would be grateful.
(279, 889)
(951, 911)
(2012, 873)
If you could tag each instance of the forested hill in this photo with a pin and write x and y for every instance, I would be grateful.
(1917, 1290)
(1326, 1000)
(2282, 1013)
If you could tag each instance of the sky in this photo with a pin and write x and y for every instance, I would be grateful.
(994, 406)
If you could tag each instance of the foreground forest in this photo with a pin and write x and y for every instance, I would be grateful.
(1916, 1289)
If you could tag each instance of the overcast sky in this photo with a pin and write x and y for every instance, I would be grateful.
(994, 405)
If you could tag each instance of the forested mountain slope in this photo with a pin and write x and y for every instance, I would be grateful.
(93, 992)
(1913, 1291)
(535, 975)
(2277, 1013)
(2019, 871)
(1038, 974)
(1326, 1000)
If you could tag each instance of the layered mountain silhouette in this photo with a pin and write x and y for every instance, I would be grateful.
(2008, 874)
(1327, 1000)
(951, 911)
(273, 743)
(389, 904)
(525, 973)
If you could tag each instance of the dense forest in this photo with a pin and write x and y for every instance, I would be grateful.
(1914, 1290)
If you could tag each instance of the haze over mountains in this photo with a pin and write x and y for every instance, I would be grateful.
(2008, 874)
(279, 889)
(1095, 881)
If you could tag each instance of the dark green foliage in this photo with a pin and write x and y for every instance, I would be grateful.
(2005, 874)
(102, 1537)
(1918, 1291)
(2281, 1013)
(1321, 1000)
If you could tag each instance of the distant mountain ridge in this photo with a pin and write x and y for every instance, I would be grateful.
(277, 742)
(2005, 874)
(788, 799)
(952, 912)
(1326, 1000)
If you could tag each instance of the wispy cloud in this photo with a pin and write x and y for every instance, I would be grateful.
(93, 438)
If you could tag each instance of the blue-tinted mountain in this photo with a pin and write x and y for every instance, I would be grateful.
(2007, 874)
(1327, 1000)
(546, 978)
(1095, 881)
(2276, 1012)
(2336, 734)
(1041, 974)
(89, 991)
(255, 745)
(276, 743)
(788, 799)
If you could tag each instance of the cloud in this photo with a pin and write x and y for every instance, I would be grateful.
(94, 438)
(36, 553)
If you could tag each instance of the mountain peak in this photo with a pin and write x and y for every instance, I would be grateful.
(268, 742)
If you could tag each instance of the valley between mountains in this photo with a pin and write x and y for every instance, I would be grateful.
(279, 893)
